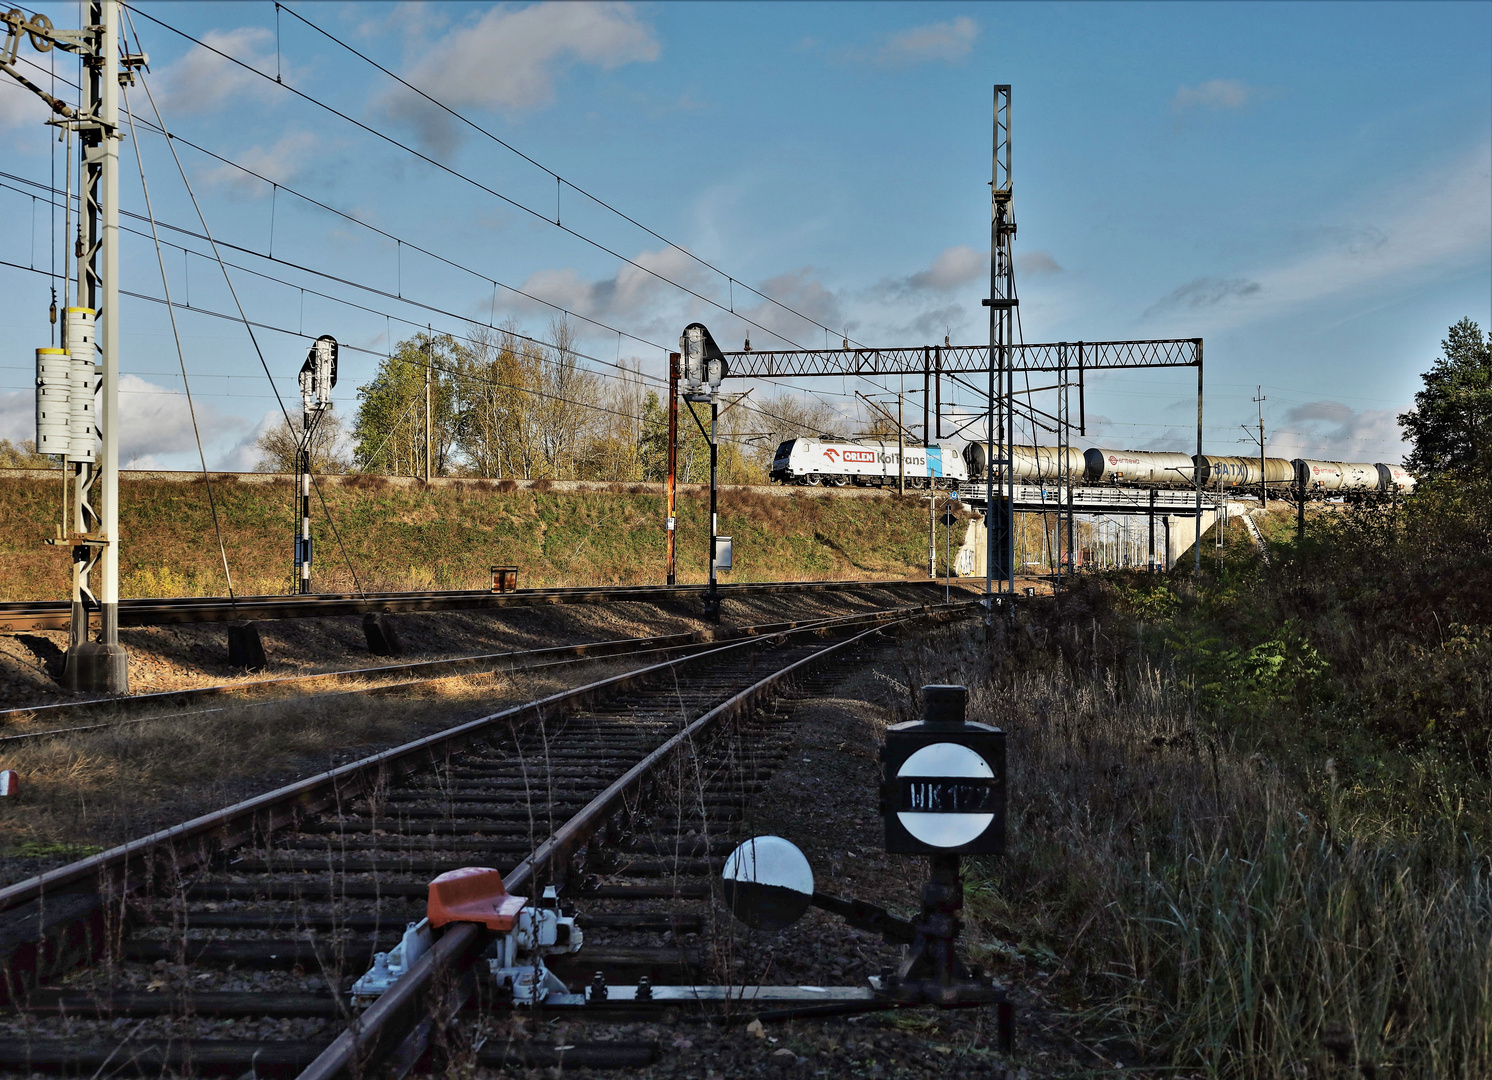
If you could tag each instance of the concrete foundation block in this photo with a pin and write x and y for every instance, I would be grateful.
(95, 668)
(382, 634)
(245, 649)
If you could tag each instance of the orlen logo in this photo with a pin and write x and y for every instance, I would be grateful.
(859, 455)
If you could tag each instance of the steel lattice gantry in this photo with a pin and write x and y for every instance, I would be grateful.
(965, 359)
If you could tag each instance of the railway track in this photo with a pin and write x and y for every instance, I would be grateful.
(20, 616)
(383, 678)
(228, 944)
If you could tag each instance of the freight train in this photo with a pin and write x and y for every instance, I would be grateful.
(813, 461)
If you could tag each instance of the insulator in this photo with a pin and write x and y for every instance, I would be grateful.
(53, 367)
(83, 373)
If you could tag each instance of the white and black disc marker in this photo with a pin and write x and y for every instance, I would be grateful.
(768, 883)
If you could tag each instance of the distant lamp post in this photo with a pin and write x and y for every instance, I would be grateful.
(704, 367)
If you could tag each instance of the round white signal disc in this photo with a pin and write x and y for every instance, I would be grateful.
(943, 829)
(768, 882)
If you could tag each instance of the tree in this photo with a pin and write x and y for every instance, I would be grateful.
(389, 430)
(24, 456)
(1451, 423)
(278, 446)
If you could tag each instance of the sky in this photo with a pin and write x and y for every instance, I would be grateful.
(1307, 187)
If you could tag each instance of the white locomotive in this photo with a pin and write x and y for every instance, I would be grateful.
(866, 464)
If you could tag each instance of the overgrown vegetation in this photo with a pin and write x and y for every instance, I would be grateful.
(1251, 815)
(447, 537)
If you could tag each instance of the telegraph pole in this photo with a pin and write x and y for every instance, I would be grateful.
(1263, 480)
(429, 360)
(92, 331)
(901, 451)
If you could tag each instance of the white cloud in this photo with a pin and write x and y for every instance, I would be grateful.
(1434, 226)
(243, 455)
(1036, 263)
(202, 81)
(1213, 94)
(17, 415)
(285, 162)
(1204, 292)
(631, 293)
(508, 59)
(1335, 432)
(953, 267)
(947, 42)
(155, 420)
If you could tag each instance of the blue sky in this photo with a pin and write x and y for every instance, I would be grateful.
(1308, 187)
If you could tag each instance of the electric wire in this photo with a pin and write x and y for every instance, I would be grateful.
(478, 184)
(628, 373)
(731, 280)
(243, 315)
(212, 504)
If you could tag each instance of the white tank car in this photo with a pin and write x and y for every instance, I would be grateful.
(813, 461)
(1394, 478)
(1244, 471)
(1137, 467)
(1032, 463)
(1336, 476)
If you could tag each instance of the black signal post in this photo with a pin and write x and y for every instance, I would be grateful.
(704, 366)
(943, 796)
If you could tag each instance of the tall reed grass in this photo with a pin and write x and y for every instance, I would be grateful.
(1187, 890)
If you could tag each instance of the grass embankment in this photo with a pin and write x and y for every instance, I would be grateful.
(1251, 816)
(447, 537)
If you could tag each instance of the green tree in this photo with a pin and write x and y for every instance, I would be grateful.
(1451, 423)
(389, 429)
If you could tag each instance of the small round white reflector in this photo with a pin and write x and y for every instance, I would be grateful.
(768, 883)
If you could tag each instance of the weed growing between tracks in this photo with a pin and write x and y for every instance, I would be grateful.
(96, 788)
(1221, 898)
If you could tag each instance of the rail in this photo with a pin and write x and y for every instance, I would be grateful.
(21, 616)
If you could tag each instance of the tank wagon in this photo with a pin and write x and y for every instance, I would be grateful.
(865, 464)
(813, 461)
(1032, 464)
(1347, 477)
(1233, 472)
(1137, 467)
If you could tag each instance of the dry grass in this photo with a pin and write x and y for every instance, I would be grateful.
(1184, 890)
(447, 537)
(90, 789)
